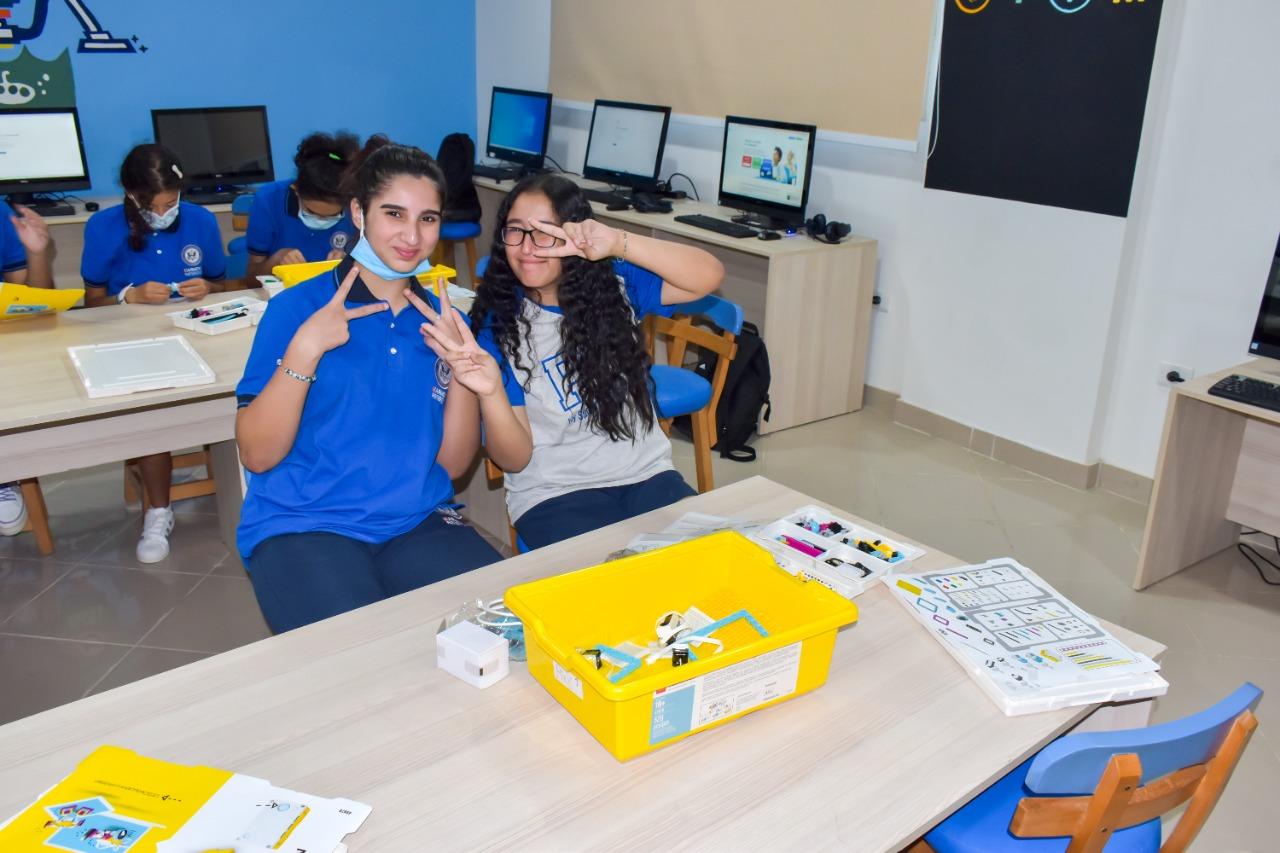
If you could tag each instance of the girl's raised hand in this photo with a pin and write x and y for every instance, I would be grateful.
(588, 239)
(450, 338)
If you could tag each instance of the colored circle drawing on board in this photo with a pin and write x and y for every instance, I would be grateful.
(1068, 7)
(972, 7)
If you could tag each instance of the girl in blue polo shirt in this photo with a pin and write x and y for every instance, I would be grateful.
(152, 249)
(350, 425)
(304, 219)
(26, 257)
(560, 306)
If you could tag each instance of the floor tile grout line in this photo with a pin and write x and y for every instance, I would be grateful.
(42, 591)
(26, 636)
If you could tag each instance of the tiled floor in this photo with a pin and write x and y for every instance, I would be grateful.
(90, 618)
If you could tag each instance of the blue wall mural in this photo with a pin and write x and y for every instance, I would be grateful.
(406, 69)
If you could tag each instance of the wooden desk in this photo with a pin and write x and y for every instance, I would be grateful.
(897, 739)
(48, 424)
(810, 300)
(1219, 468)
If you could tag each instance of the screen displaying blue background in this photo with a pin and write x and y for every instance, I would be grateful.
(517, 122)
(404, 69)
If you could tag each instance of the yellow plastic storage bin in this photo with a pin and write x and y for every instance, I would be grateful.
(291, 274)
(660, 703)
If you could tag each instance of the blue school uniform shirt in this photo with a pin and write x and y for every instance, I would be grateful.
(189, 248)
(13, 255)
(363, 463)
(274, 225)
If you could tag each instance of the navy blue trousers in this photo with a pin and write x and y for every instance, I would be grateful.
(590, 509)
(301, 578)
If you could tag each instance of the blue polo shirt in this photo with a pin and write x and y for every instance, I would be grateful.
(274, 225)
(363, 463)
(189, 248)
(13, 255)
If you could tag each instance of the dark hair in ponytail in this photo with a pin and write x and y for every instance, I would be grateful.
(147, 171)
(380, 161)
(322, 159)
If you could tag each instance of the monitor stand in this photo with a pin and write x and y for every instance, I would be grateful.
(42, 204)
(213, 193)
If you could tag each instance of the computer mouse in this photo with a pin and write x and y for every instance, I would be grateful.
(769, 235)
(649, 203)
(91, 206)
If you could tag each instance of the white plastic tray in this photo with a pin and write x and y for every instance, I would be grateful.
(110, 370)
(220, 317)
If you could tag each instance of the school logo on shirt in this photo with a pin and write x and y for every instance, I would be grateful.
(338, 240)
(553, 366)
(191, 255)
(444, 376)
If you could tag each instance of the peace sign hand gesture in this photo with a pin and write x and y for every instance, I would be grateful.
(450, 338)
(588, 239)
(326, 329)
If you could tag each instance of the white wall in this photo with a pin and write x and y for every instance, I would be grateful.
(1011, 317)
(513, 48)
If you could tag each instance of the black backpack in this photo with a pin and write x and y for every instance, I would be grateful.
(745, 396)
(456, 157)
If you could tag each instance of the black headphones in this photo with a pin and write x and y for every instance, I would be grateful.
(827, 232)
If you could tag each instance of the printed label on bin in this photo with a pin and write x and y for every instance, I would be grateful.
(681, 708)
(568, 679)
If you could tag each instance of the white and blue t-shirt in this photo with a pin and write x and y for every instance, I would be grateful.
(567, 454)
(189, 248)
(13, 255)
(363, 463)
(274, 224)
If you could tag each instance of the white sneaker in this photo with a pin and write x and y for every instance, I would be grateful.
(13, 511)
(156, 527)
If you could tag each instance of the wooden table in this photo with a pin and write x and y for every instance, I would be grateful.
(48, 424)
(897, 739)
(1218, 469)
(810, 300)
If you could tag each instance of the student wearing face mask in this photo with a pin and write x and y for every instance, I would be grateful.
(152, 249)
(350, 426)
(305, 219)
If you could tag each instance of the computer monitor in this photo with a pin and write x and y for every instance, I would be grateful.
(1266, 332)
(626, 143)
(765, 168)
(41, 151)
(519, 123)
(220, 148)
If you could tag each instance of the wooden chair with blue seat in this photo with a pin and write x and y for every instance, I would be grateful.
(453, 233)
(241, 205)
(678, 390)
(1090, 791)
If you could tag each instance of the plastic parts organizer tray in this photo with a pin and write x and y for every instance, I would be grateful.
(824, 555)
(660, 703)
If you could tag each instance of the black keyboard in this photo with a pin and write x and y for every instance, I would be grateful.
(209, 198)
(497, 173)
(1246, 389)
(728, 229)
(605, 197)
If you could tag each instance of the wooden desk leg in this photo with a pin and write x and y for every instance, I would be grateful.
(1186, 521)
(231, 486)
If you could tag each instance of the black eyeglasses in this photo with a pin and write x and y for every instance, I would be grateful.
(513, 235)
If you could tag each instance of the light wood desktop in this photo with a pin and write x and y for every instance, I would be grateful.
(1218, 469)
(810, 300)
(48, 424)
(897, 739)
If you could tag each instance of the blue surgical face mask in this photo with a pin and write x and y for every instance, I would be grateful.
(366, 257)
(158, 221)
(317, 223)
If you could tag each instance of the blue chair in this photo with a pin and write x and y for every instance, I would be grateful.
(453, 233)
(680, 391)
(240, 207)
(1085, 792)
(238, 246)
(237, 265)
(482, 267)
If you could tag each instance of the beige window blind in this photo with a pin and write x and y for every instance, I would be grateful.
(856, 66)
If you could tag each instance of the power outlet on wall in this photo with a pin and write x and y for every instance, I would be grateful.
(1167, 368)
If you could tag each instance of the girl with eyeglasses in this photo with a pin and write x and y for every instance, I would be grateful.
(305, 219)
(560, 366)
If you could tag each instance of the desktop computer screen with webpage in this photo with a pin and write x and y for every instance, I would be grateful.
(626, 143)
(519, 121)
(766, 168)
(41, 151)
(1266, 332)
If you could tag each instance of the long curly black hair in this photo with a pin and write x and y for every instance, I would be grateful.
(604, 353)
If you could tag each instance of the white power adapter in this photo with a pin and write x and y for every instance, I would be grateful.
(477, 656)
